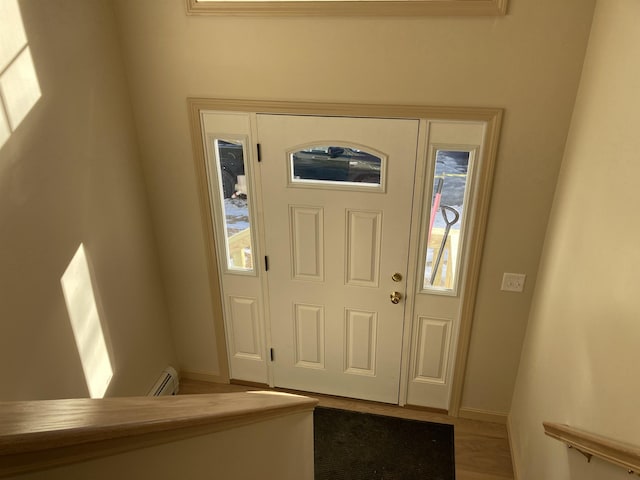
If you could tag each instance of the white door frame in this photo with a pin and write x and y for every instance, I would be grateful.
(492, 118)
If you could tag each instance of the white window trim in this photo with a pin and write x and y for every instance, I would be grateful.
(398, 8)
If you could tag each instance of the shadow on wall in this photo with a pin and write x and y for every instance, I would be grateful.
(19, 86)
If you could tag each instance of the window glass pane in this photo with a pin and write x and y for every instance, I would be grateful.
(233, 190)
(450, 186)
(335, 164)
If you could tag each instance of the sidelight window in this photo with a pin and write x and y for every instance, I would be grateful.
(234, 197)
(450, 190)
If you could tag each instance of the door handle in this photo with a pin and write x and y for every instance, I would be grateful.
(395, 297)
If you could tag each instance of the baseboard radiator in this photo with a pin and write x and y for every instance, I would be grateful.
(167, 384)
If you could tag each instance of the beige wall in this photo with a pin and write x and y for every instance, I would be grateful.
(528, 62)
(580, 360)
(70, 175)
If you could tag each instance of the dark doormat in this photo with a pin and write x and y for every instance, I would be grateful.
(362, 446)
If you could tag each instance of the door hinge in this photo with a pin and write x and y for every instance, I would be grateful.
(259, 152)
(266, 263)
(271, 354)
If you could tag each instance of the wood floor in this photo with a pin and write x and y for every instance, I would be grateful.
(481, 448)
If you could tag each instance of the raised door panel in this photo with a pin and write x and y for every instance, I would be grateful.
(309, 335)
(433, 349)
(246, 335)
(360, 342)
(307, 241)
(364, 232)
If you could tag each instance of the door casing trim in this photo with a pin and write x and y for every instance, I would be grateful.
(493, 120)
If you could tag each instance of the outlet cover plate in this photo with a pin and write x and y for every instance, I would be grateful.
(513, 282)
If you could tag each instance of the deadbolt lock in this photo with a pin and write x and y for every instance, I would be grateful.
(396, 277)
(395, 297)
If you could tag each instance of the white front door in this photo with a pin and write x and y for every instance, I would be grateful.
(337, 201)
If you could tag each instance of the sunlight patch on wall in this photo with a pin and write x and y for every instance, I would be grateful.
(86, 325)
(19, 86)
(5, 133)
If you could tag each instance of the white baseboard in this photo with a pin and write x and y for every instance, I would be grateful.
(483, 415)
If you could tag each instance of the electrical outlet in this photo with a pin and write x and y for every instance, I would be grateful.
(513, 282)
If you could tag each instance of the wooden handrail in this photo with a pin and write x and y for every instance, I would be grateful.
(591, 445)
(35, 435)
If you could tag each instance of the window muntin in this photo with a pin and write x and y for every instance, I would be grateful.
(450, 187)
(336, 166)
(233, 193)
